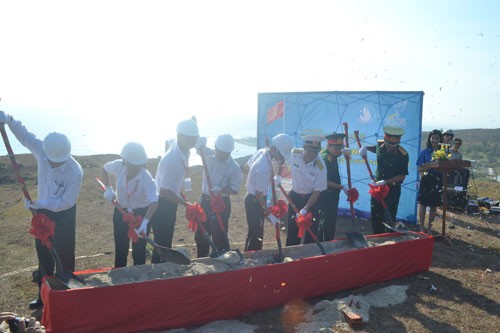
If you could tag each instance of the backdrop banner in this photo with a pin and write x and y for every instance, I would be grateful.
(303, 113)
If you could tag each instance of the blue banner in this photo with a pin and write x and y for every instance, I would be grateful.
(303, 113)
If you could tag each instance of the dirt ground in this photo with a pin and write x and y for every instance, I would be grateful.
(464, 271)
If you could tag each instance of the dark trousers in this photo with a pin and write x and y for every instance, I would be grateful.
(300, 201)
(163, 223)
(378, 213)
(255, 221)
(329, 206)
(63, 242)
(219, 238)
(122, 242)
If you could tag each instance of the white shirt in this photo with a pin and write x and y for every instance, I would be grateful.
(225, 174)
(310, 177)
(259, 175)
(59, 186)
(138, 192)
(172, 169)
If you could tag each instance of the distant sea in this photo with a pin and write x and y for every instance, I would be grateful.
(93, 137)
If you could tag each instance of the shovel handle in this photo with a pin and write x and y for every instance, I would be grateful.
(348, 166)
(356, 134)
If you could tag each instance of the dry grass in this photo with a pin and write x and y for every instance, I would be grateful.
(464, 270)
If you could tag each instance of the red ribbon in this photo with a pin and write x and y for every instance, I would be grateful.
(42, 228)
(217, 203)
(352, 195)
(195, 214)
(304, 222)
(379, 193)
(134, 222)
(280, 209)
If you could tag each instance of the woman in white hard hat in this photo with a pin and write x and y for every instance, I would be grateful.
(225, 178)
(258, 182)
(171, 175)
(135, 192)
(59, 182)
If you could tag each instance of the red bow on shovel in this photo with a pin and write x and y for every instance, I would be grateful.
(43, 228)
(195, 216)
(134, 222)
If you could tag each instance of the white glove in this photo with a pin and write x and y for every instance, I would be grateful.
(35, 205)
(303, 212)
(215, 189)
(379, 183)
(201, 143)
(345, 189)
(346, 152)
(109, 194)
(362, 151)
(4, 117)
(277, 180)
(143, 228)
(274, 220)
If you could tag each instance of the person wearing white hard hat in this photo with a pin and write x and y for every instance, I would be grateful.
(171, 177)
(225, 177)
(258, 182)
(135, 192)
(59, 182)
(309, 179)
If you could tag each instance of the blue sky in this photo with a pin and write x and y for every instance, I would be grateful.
(143, 65)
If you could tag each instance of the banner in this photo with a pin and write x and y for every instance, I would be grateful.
(366, 111)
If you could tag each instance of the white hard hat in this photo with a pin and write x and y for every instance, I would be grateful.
(225, 143)
(284, 144)
(448, 132)
(57, 147)
(134, 153)
(188, 127)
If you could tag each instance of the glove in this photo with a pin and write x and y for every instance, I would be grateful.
(303, 212)
(35, 205)
(109, 194)
(215, 189)
(345, 189)
(201, 143)
(362, 151)
(379, 183)
(346, 152)
(277, 180)
(274, 220)
(143, 228)
(4, 117)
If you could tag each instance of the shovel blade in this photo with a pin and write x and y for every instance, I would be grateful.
(71, 280)
(356, 239)
(173, 256)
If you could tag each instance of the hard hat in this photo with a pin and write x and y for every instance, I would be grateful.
(225, 143)
(134, 153)
(284, 144)
(448, 132)
(188, 127)
(57, 147)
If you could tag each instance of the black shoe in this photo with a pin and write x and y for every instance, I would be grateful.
(36, 303)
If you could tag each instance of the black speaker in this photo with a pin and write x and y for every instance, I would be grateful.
(457, 199)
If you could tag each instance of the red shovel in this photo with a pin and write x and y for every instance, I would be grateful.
(166, 254)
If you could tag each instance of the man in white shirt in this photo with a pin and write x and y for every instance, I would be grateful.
(308, 180)
(171, 173)
(225, 177)
(258, 182)
(59, 182)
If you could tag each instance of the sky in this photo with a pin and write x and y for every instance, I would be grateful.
(141, 66)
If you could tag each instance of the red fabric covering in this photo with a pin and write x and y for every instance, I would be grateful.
(304, 222)
(379, 193)
(352, 195)
(193, 300)
(194, 215)
(42, 228)
(280, 209)
(134, 222)
(217, 203)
